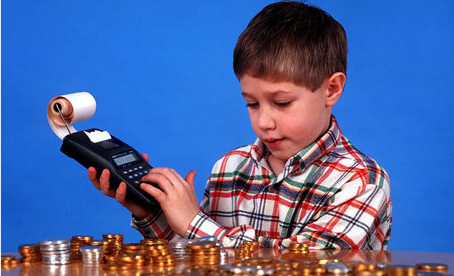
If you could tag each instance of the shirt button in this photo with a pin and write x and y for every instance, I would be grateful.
(271, 189)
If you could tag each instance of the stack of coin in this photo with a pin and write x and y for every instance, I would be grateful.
(205, 253)
(112, 245)
(76, 243)
(179, 249)
(432, 267)
(133, 248)
(55, 251)
(9, 261)
(154, 242)
(164, 260)
(134, 260)
(30, 253)
(110, 259)
(97, 243)
(160, 254)
(91, 254)
(246, 250)
(302, 248)
(223, 253)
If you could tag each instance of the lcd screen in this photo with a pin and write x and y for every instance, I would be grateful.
(125, 159)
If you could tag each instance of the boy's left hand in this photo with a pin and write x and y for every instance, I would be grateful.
(177, 198)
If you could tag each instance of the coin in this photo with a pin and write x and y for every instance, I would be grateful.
(432, 267)
(116, 267)
(55, 251)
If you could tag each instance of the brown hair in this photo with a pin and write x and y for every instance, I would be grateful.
(291, 41)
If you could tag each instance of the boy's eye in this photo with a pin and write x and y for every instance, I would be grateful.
(283, 104)
(252, 105)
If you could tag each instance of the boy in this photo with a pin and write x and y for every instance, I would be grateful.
(301, 181)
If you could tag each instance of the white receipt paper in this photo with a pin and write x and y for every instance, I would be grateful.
(98, 136)
(75, 107)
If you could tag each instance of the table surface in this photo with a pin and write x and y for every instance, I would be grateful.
(390, 257)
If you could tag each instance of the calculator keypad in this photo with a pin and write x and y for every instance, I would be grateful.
(135, 174)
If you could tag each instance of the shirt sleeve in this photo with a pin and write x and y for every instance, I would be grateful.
(357, 217)
(154, 226)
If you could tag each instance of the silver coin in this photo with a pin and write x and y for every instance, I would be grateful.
(337, 268)
(52, 242)
(265, 271)
(62, 262)
(59, 247)
(51, 257)
(208, 238)
(382, 265)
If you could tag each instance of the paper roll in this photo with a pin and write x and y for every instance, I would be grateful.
(74, 107)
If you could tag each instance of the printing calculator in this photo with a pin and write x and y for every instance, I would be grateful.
(124, 163)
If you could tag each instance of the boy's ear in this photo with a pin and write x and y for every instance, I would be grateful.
(335, 86)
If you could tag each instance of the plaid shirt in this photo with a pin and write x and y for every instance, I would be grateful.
(329, 194)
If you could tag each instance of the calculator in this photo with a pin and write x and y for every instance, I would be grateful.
(124, 163)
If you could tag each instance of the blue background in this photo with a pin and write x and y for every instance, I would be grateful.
(161, 72)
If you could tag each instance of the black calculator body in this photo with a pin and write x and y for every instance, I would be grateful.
(124, 163)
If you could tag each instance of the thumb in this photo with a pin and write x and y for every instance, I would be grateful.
(145, 156)
(190, 178)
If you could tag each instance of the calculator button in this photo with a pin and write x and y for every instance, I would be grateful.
(136, 182)
(130, 170)
(135, 169)
(135, 175)
(130, 177)
(140, 167)
(125, 172)
(145, 172)
(140, 173)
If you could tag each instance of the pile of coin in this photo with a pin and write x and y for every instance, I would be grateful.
(134, 248)
(154, 242)
(179, 249)
(112, 245)
(30, 253)
(301, 248)
(9, 262)
(134, 260)
(435, 267)
(246, 250)
(159, 253)
(205, 253)
(55, 251)
(76, 243)
(91, 254)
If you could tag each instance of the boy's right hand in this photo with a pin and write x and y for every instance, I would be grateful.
(103, 184)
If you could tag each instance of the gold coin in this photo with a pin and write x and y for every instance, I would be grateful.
(116, 267)
(154, 242)
(401, 270)
(373, 272)
(324, 261)
(8, 258)
(432, 267)
(201, 245)
(156, 246)
(97, 243)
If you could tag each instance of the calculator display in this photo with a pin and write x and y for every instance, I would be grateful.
(125, 159)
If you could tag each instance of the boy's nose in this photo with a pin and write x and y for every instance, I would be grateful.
(265, 121)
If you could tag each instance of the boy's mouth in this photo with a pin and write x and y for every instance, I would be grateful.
(273, 142)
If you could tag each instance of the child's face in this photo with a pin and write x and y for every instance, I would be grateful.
(285, 116)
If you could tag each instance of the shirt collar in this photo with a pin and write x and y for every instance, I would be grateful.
(320, 147)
